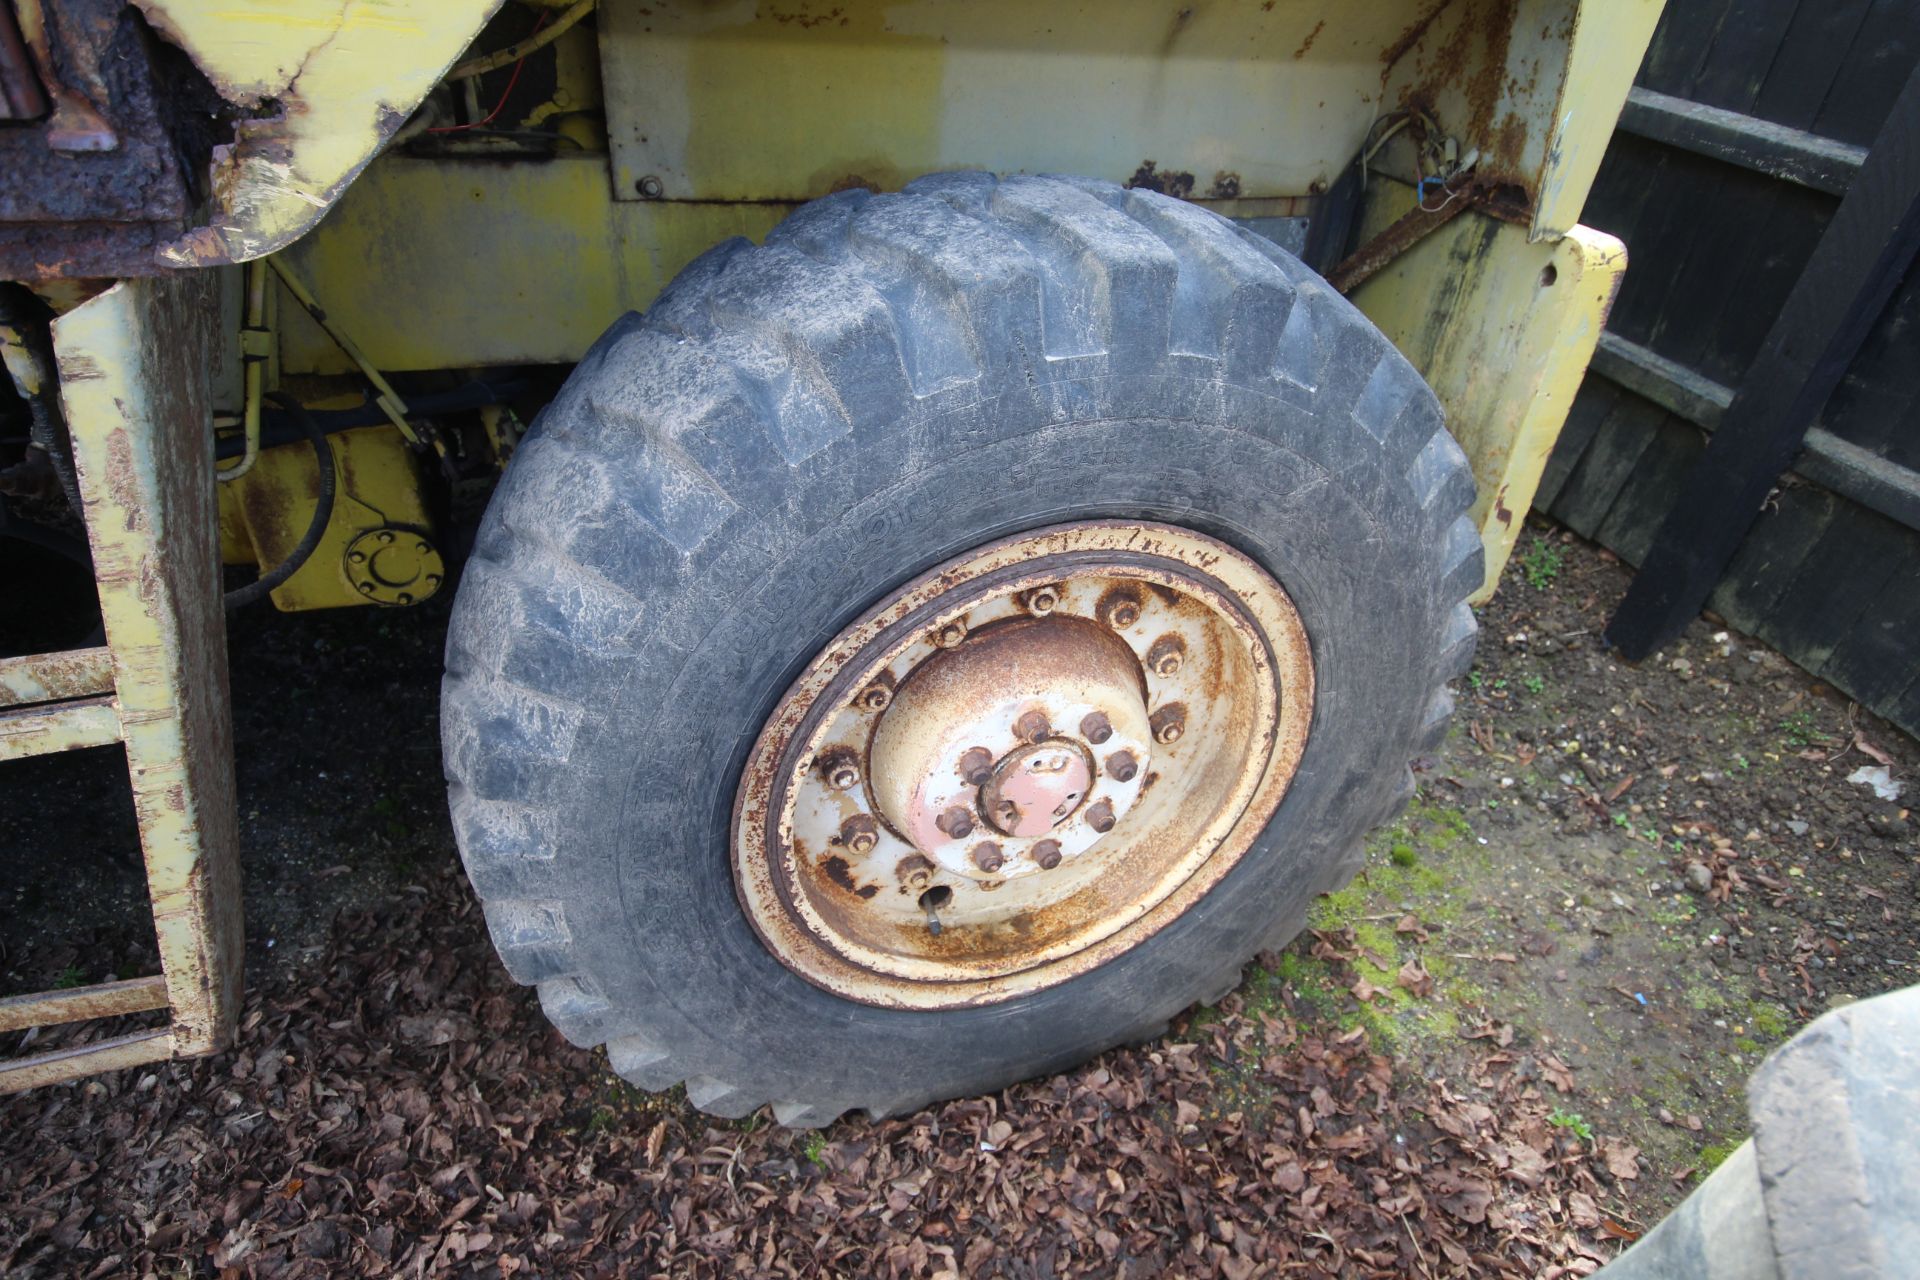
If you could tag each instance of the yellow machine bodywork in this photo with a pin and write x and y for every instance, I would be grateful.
(720, 118)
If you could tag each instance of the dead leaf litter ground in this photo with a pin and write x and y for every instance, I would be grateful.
(1505, 1051)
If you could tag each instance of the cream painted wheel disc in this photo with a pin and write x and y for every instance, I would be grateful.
(1022, 764)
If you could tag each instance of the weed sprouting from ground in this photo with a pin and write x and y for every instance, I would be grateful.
(1541, 564)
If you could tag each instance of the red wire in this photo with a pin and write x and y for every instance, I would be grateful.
(506, 93)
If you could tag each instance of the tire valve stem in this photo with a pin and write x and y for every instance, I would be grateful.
(930, 902)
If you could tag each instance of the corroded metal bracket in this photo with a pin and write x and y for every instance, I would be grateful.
(133, 372)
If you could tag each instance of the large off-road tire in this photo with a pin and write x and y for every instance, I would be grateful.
(793, 432)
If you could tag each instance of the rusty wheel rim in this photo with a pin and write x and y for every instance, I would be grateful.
(1022, 764)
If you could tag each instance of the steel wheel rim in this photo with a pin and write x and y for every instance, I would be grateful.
(823, 851)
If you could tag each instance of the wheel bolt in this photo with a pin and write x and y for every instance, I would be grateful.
(1169, 722)
(1096, 728)
(1119, 608)
(877, 695)
(976, 766)
(915, 872)
(955, 823)
(1166, 655)
(987, 856)
(1008, 813)
(1033, 727)
(1121, 766)
(1041, 600)
(1047, 854)
(1100, 817)
(841, 770)
(860, 833)
(951, 635)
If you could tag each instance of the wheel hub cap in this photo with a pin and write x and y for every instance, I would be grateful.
(1021, 764)
(982, 744)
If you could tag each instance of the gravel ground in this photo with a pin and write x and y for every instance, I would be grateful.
(1505, 1051)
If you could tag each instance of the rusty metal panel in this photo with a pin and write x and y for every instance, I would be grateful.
(84, 1060)
(78, 1004)
(66, 726)
(739, 101)
(49, 677)
(1502, 327)
(134, 365)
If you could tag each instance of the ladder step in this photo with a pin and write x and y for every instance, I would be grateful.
(63, 726)
(50, 677)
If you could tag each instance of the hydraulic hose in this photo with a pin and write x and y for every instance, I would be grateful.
(322, 510)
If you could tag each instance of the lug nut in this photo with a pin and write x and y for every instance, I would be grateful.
(877, 696)
(951, 635)
(1169, 722)
(1119, 608)
(1121, 766)
(956, 823)
(987, 856)
(1047, 853)
(1033, 727)
(860, 833)
(1100, 817)
(976, 766)
(841, 770)
(1041, 600)
(1096, 728)
(915, 872)
(1166, 655)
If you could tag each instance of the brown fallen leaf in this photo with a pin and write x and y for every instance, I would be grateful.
(1621, 1158)
(1414, 977)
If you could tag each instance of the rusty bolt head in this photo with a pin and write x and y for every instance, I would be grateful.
(987, 856)
(1041, 600)
(1007, 813)
(860, 833)
(1100, 817)
(1121, 766)
(955, 823)
(1119, 608)
(1166, 655)
(1169, 722)
(877, 696)
(1047, 854)
(1096, 728)
(841, 769)
(976, 766)
(915, 872)
(1033, 727)
(950, 636)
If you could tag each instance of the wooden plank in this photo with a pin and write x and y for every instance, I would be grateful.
(1877, 67)
(1771, 555)
(1610, 459)
(56, 1065)
(1859, 474)
(1880, 654)
(1668, 383)
(1809, 60)
(1841, 575)
(1743, 48)
(1876, 483)
(1875, 404)
(1650, 490)
(50, 677)
(61, 726)
(1680, 43)
(77, 1004)
(1591, 404)
(1775, 150)
(1840, 294)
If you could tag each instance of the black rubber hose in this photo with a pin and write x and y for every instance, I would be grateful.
(322, 510)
